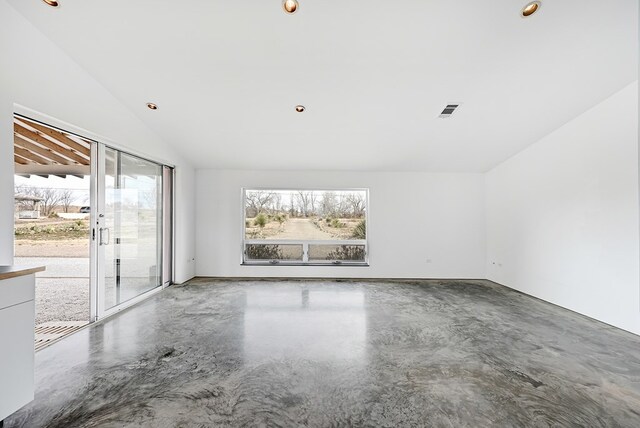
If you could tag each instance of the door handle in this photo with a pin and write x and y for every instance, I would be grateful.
(101, 233)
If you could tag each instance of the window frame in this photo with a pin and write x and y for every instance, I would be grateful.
(305, 243)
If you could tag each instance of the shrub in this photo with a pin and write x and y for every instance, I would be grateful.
(327, 220)
(260, 220)
(263, 252)
(347, 252)
(360, 231)
(49, 230)
(247, 223)
(22, 231)
(336, 223)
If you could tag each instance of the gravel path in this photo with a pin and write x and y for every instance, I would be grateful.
(58, 267)
(62, 291)
(64, 299)
(301, 228)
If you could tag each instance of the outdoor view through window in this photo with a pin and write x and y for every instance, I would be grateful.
(305, 226)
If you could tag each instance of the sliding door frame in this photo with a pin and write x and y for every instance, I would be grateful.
(98, 260)
(97, 141)
(93, 230)
(168, 237)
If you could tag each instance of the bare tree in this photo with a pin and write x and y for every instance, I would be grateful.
(313, 199)
(356, 203)
(50, 199)
(277, 203)
(328, 204)
(66, 199)
(257, 201)
(22, 190)
(303, 200)
(342, 206)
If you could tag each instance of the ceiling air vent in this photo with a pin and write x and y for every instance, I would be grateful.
(448, 110)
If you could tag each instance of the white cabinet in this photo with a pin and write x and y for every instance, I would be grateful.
(17, 318)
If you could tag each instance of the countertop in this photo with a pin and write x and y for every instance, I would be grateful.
(7, 272)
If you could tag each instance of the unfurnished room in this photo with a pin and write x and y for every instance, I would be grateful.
(304, 213)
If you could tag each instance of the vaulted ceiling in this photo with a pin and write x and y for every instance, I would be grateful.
(373, 75)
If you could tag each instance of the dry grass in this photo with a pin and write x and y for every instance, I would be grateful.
(341, 228)
(51, 230)
(52, 237)
(345, 229)
(270, 229)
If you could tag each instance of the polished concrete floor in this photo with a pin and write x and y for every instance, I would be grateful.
(429, 353)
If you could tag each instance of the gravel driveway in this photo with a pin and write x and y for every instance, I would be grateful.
(62, 291)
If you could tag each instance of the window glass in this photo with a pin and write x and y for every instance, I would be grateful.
(305, 226)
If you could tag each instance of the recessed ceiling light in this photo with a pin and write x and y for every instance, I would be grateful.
(290, 6)
(299, 109)
(530, 9)
(152, 106)
(52, 3)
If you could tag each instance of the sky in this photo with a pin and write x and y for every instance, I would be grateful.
(80, 186)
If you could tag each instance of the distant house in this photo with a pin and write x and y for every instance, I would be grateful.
(27, 207)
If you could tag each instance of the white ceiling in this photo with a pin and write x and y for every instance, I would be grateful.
(373, 75)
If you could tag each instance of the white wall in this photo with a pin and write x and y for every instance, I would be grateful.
(562, 216)
(413, 217)
(37, 75)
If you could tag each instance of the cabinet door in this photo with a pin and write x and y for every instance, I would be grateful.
(16, 357)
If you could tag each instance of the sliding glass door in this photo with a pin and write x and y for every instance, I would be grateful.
(129, 228)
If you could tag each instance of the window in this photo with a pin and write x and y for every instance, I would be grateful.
(305, 227)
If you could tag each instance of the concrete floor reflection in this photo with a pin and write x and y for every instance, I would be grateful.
(315, 324)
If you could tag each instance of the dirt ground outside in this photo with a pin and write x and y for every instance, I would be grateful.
(301, 228)
(312, 228)
(63, 248)
(52, 237)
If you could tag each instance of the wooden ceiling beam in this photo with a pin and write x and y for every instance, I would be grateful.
(69, 154)
(83, 143)
(57, 149)
(83, 149)
(35, 138)
(24, 153)
(20, 141)
(20, 161)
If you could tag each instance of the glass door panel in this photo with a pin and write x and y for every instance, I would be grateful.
(130, 233)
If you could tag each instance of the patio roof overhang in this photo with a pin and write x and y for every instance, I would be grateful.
(40, 150)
